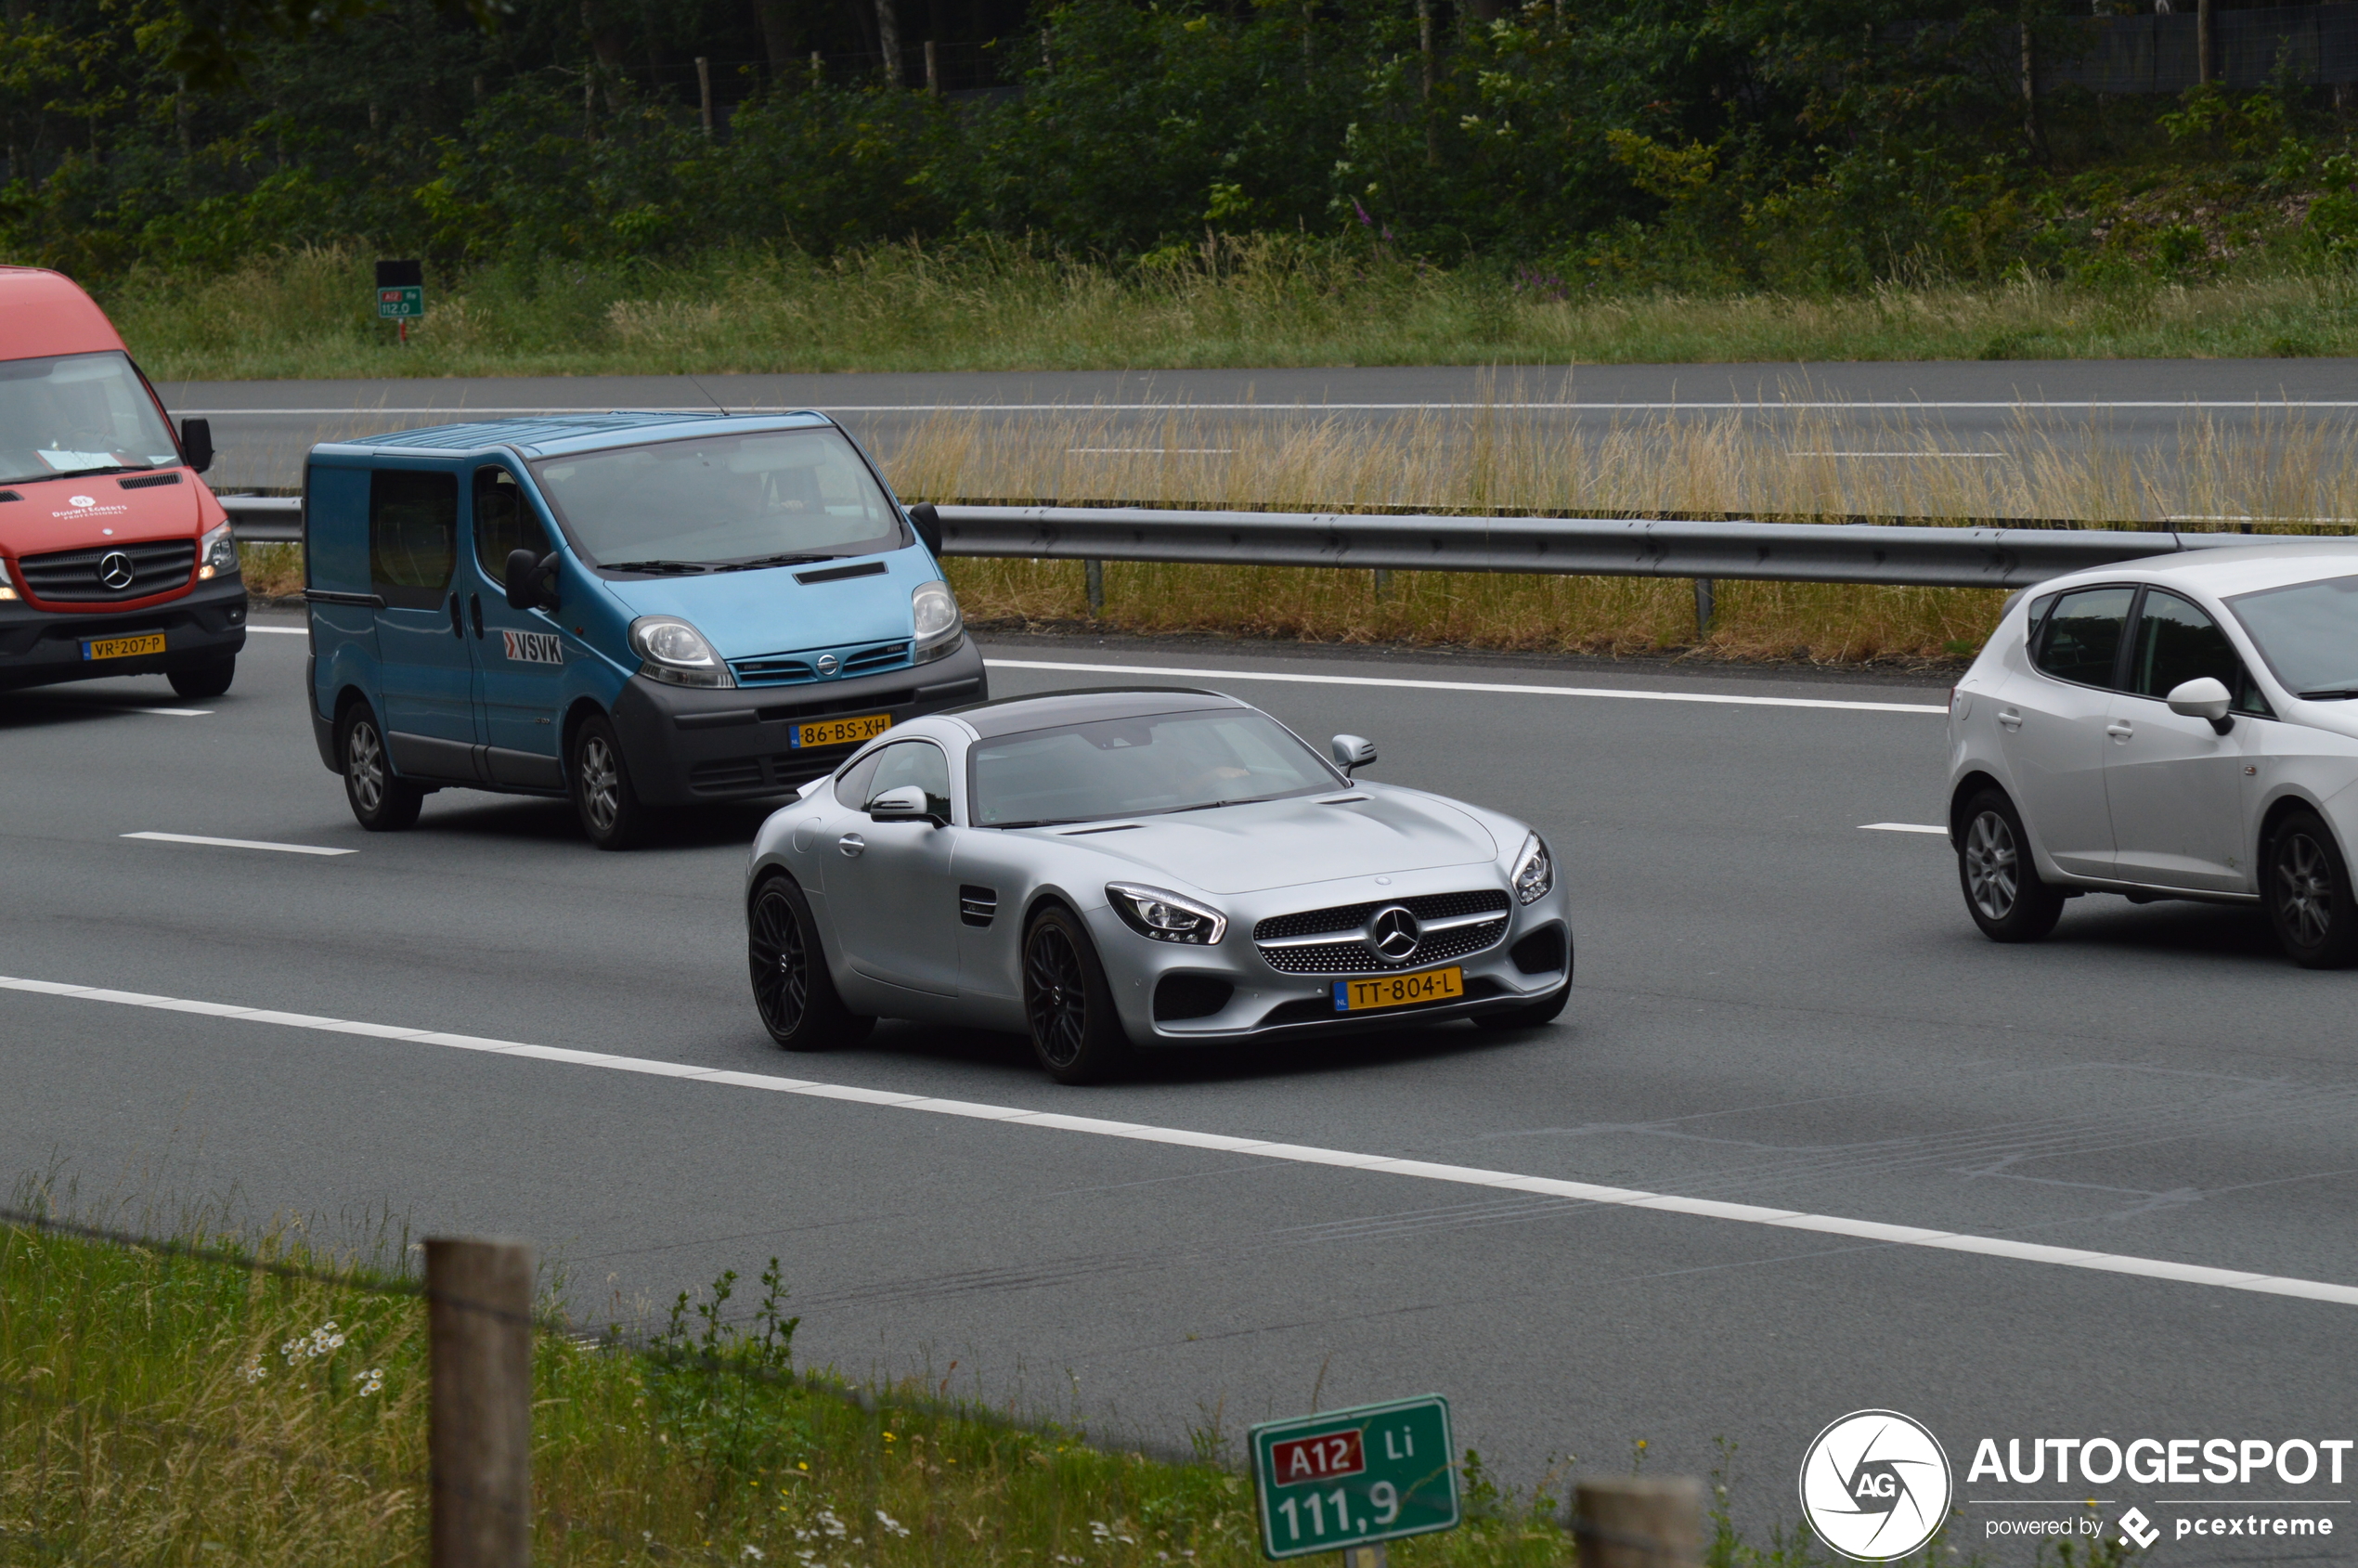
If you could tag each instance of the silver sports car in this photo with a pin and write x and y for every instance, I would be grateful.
(1107, 871)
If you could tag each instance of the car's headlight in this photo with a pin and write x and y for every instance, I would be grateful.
(1164, 916)
(677, 653)
(217, 554)
(939, 626)
(1534, 872)
(8, 589)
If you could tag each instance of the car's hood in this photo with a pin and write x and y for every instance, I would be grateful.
(94, 510)
(1281, 843)
(749, 613)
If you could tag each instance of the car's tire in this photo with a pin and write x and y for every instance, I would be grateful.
(1529, 1016)
(2003, 891)
(381, 802)
(2305, 883)
(210, 679)
(610, 811)
(792, 990)
(1076, 1036)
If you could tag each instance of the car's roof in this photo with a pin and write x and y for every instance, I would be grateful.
(2229, 569)
(1013, 715)
(44, 313)
(555, 434)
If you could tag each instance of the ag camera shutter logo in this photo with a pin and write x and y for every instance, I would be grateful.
(1875, 1485)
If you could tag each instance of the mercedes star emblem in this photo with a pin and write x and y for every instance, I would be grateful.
(1394, 934)
(114, 570)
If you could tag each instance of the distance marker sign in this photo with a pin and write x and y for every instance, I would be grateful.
(1348, 1477)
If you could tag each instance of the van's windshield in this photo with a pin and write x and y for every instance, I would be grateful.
(721, 503)
(78, 413)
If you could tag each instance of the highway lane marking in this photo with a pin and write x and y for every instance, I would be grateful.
(282, 630)
(1627, 695)
(1903, 827)
(164, 712)
(1499, 406)
(1260, 1148)
(238, 843)
(1797, 454)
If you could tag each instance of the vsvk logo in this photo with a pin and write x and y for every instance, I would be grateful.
(1875, 1485)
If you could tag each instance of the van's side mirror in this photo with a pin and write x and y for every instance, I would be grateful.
(196, 444)
(1351, 751)
(927, 522)
(906, 803)
(530, 584)
(2203, 698)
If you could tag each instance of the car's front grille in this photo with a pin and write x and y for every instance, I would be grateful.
(790, 668)
(1350, 954)
(1350, 918)
(81, 576)
(735, 773)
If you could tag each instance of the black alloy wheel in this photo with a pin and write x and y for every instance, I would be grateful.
(2306, 884)
(1075, 1033)
(210, 679)
(792, 989)
(381, 801)
(611, 814)
(2003, 891)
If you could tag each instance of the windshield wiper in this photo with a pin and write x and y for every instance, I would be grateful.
(85, 473)
(2332, 693)
(772, 561)
(673, 567)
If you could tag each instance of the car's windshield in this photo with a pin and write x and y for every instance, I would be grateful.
(2307, 632)
(1138, 767)
(760, 499)
(77, 413)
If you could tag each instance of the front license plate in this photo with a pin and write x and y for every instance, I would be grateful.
(839, 731)
(121, 647)
(1400, 990)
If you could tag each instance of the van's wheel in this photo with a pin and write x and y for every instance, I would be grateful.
(1075, 1032)
(381, 802)
(208, 680)
(792, 989)
(2003, 891)
(2307, 888)
(610, 811)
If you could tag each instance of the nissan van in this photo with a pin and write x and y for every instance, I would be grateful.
(636, 611)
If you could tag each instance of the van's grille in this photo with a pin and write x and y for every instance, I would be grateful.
(73, 577)
(736, 772)
(787, 669)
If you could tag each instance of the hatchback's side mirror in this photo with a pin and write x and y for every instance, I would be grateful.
(1351, 751)
(529, 580)
(2202, 697)
(927, 522)
(196, 444)
(906, 803)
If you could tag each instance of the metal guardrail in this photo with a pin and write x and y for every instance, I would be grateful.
(1893, 555)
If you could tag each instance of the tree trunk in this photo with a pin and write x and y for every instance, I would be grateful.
(2202, 40)
(777, 36)
(888, 41)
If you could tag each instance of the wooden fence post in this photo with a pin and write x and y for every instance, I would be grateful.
(704, 89)
(479, 1422)
(1639, 1522)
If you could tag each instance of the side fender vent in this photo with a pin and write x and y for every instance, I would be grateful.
(977, 906)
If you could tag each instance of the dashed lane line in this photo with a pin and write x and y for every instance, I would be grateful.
(238, 843)
(1903, 827)
(1259, 1149)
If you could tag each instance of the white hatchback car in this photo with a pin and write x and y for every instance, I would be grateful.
(2184, 727)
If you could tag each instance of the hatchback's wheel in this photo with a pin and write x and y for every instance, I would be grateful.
(610, 811)
(1074, 1030)
(2003, 891)
(792, 989)
(381, 802)
(208, 680)
(2307, 887)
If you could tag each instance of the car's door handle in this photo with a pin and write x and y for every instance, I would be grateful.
(458, 622)
(2120, 729)
(474, 613)
(851, 844)
(2011, 718)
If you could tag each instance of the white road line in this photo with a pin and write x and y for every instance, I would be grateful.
(1497, 406)
(282, 630)
(238, 843)
(1903, 827)
(2000, 455)
(166, 712)
(1625, 696)
(1259, 1149)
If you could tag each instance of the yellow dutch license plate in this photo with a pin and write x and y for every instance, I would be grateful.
(840, 732)
(1400, 990)
(121, 647)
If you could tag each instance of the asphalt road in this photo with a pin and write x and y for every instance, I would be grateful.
(1775, 1007)
(1868, 413)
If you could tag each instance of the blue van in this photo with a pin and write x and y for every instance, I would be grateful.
(635, 611)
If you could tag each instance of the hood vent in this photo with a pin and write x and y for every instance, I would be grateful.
(9, 496)
(149, 481)
(837, 574)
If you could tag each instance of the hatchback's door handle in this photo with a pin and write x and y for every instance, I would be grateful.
(2011, 718)
(851, 844)
(2120, 729)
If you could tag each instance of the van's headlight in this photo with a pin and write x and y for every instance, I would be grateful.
(1534, 872)
(939, 626)
(1164, 916)
(677, 653)
(217, 554)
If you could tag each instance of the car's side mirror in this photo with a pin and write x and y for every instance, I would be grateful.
(927, 522)
(529, 580)
(2202, 697)
(1351, 751)
(906, 803)
(196, 444)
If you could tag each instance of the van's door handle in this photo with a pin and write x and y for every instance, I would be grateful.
(851, 844)
(458, 622)
(2120, 729)
(474, 613)
(2011, 718)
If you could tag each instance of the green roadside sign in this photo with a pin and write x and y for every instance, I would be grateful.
(1351, 1478)
(401, 305)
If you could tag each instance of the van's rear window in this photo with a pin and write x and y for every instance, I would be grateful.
(718, 502)
(78, 413)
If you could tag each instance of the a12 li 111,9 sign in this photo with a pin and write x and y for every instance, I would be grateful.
(1350, 1477)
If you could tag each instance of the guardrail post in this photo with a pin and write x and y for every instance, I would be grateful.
(1373, 1555)
(1093, 570)
(1702, 608)
(1383, 591)
(479, 1420)
(1639, 1522)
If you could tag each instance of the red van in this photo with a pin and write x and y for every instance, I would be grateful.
(114, 558)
